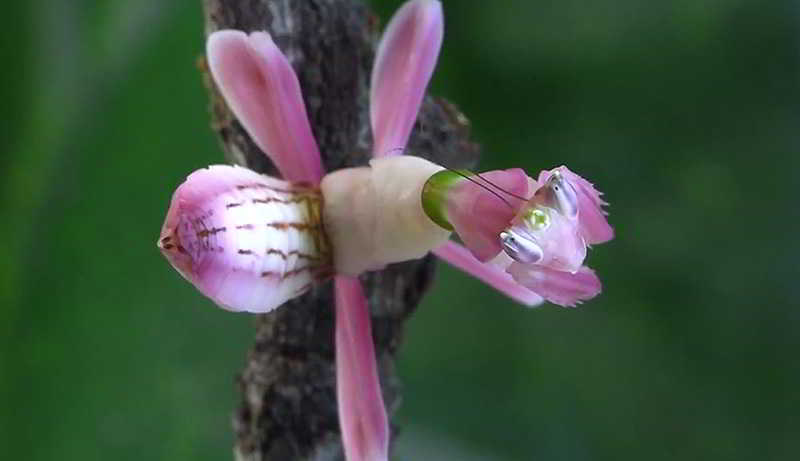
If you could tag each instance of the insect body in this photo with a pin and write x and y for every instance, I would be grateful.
(250, 242)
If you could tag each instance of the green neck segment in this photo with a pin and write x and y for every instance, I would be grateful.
(435, 193)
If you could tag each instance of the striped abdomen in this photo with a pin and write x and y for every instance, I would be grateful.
(248, 241)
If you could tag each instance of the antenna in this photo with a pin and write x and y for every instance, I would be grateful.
(502, 190)
(480, 185)
(511, 194)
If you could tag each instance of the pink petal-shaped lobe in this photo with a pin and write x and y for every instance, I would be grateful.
(593, 222)
(362, 415)
(559, 287)
(217, 234)
(492, 275)
(262, 90)
(478, 213)
(403, 66)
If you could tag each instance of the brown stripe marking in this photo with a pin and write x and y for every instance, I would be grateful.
(314, 213)
(206, 232)
(285, 256)
(170, 246)
(246, 252)
(246, 226)
(260, 185)
(286, 275)
(301, 226)
(279, 200)
(233, 205)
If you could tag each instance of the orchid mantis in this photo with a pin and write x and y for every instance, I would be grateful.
(251, 242)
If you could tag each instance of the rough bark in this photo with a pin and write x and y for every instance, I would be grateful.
(288, 407)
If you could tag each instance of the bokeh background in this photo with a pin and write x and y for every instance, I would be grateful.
(685, 112)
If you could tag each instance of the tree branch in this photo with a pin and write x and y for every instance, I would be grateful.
(288, 408)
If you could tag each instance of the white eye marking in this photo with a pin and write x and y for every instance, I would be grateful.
(520, 248)
(561, 195)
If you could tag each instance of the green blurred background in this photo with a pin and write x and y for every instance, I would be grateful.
(684, 112)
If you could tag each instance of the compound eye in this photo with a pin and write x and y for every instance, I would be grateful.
(520, 248)
(562, 195)
(537, 218)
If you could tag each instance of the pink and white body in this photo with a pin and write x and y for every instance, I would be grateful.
(252, 242)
